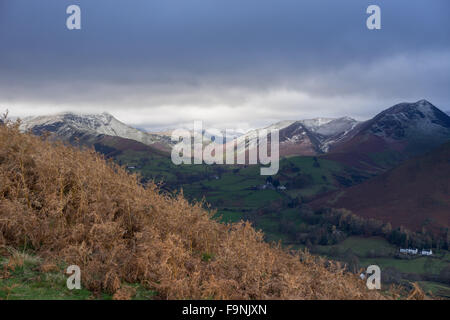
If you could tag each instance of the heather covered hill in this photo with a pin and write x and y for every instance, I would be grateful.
(65, 204)
(415, 194)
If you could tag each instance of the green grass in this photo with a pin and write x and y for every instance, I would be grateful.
(364, 247)
(415, 265)
(26, 281)
(227, 216)
(271, 230)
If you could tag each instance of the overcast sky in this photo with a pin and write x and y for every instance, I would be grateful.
(232, 63)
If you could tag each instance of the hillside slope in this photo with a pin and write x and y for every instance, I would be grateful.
(72, 205)
(414, 194)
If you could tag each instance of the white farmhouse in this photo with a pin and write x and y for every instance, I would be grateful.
(416, 251)
(409, 251)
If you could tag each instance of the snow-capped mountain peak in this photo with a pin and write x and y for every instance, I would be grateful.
(406, 129)
(404, 118)
(67, 125)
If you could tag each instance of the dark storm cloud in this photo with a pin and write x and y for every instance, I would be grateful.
(159, 63)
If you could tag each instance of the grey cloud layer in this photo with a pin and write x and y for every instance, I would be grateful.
(161, 63)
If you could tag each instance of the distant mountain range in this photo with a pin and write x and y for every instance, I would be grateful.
(305, 137)
(397, 133)
(393, 135)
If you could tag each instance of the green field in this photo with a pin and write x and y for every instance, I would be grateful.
(421, 265)
(234, 188)
(362, 247)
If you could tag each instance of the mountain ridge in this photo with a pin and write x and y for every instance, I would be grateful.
(304, 137)
(68, 125)
(409, 128)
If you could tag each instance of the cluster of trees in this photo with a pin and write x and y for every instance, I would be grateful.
(352, 224)
(310, 228)
(299, 181)
(274, 182)
(331, 226)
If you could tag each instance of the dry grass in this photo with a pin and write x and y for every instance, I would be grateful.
(124, 293)
(18, 259)
(72, 205)
(417, 293)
